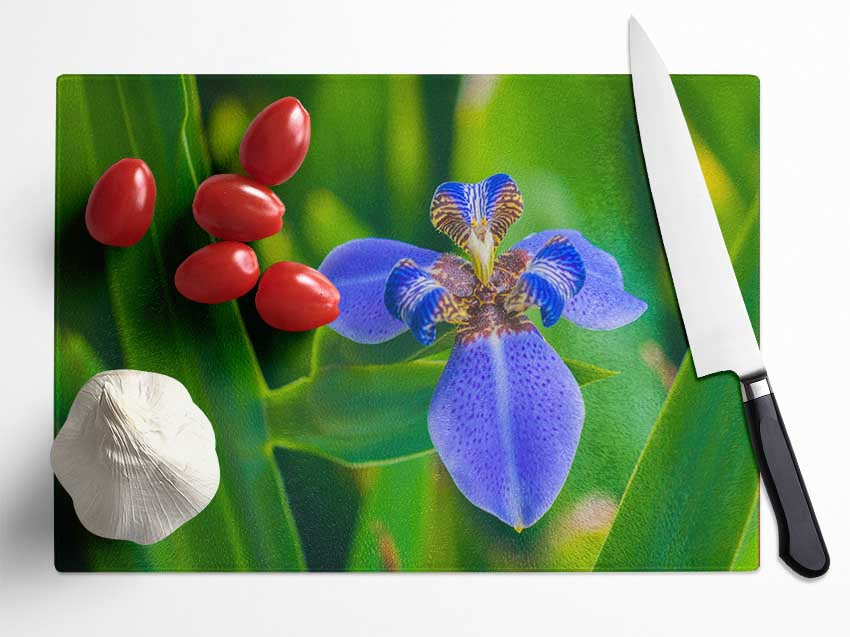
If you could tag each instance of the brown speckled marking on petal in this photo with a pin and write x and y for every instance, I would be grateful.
(455, 274)
(508, 268)
(489, 317)
(484, 305)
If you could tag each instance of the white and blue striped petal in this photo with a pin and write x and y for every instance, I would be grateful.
(413, 296)
(477, 216)
(554, 276)
(602, 303)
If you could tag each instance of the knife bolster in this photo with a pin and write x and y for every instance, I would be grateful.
(752, 388)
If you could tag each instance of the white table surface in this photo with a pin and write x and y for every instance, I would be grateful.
(801, 54)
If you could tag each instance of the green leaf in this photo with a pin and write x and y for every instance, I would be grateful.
(585, 373)
(325, 499)
(356, 415)
(367, 404)
(205, 347)
(693, 493)
(362, 415)
(746, 556)
(407, 520)
(690, 497)
(330, 349)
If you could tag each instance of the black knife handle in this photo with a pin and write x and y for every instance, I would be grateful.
(801, 544)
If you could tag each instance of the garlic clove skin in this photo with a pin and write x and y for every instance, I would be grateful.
(136, 455)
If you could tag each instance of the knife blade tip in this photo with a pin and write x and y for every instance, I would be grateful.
(634, 27)
(638, 39)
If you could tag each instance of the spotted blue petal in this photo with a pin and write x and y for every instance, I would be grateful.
(602, 303)
(415, 297)
(505, 419)
(555, 275)
(493, 204)
(359, 269)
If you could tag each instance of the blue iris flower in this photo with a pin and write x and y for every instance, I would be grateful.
(507, 413)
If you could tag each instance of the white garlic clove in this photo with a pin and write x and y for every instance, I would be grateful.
(136, 455)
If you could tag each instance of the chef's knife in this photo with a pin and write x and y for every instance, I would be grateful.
(716, 322)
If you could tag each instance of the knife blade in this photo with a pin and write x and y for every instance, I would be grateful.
(718, 328)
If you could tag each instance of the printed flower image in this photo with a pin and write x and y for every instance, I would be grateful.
(399, 395)
(507, 413)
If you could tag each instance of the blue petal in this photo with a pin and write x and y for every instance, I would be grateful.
(602, 303)
(359, 269)
(415, 297)
(555, 275)
(494, 203)
(506, 418)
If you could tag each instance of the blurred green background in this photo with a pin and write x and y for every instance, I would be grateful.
(325, 456)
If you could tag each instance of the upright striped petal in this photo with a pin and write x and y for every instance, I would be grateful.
(412, 295)
(555, 275)
(477, 216)
(505, 419)
(602, 303)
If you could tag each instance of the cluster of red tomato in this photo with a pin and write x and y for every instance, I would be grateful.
(291, 296)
